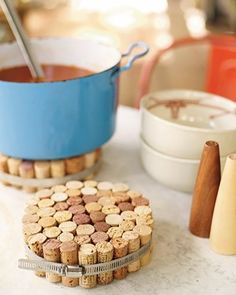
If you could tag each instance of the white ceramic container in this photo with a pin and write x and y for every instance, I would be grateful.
(179, 122)
(176, 173)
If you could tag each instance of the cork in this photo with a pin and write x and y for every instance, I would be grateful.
(129, 215)
(73, 192)
(74, 184)
(106, 201)
(52, 232)
(115, 232)
(47, 211)
(26, 170)
(51, 252)
(145, 259)
(31, 229)
(68, 226)
(133, 194)
(106, 193)
(89, 159)
(57, 168)
(133, 245)
(145, 233)
(120, 187)
(31, 209)
(13, 167)
(47, 221)
(85, 229)
(35, 243)
(74, 165)
(90, 183)
(44, 193)
(105, 186)
(30, 218)
(143, 210)
(42, 169)
(120, 197)
(127, 225)
(145, 220)
(81, 240)
(45, 203)
(110, 209)
(59, 197)
(65, 237)
(120, 250)
(87, 255)
(62, 216)
(114, 219)
(4, 165)
(33, 200)
(60, 188)
(69, 256)
(93, 207)
(104, 254)
(89, 191)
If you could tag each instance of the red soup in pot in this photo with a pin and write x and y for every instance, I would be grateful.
(51, 72)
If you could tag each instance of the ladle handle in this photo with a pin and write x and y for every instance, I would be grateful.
(21, 38)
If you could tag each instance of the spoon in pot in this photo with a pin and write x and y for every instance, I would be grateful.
(22, 40)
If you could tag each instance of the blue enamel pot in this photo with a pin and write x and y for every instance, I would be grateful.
(53, 120)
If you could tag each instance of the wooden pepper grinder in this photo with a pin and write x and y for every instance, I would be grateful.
(223, 228)
(205, 191)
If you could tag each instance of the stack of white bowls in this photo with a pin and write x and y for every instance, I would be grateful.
(175, 126)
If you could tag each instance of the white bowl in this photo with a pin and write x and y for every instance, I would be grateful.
(179, 122)
(178, 174)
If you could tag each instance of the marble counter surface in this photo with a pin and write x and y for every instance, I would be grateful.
(181, 264)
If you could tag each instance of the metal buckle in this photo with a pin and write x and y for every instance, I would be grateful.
(73, 271)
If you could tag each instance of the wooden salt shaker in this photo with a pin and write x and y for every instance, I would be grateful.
(120, 250)
(69, 256)
(205, 191)
(4, 165)
(105, 254)
(74, 165)
(133, 240)
(13, 167)
(57, 168)
(51, 252)
(87, 255)
(26, 170)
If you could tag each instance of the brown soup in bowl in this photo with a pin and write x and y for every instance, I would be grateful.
(51, 72)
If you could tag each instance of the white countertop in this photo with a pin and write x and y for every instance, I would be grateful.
(181, 263)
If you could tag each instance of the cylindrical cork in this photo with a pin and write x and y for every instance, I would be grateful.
(87, 255)
(145, 234)
(104, 254)
(69, 256)
(58, 168)
(120, 250)
(134, 244)
(13, 167)
(74, 165)
(4, 165)
(42, 169)
(26, 170)
(35, 243)
(51, 252)
(90, 159)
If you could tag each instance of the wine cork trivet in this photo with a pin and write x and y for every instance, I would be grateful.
(143, 210)
(74, 165)
(31, 229)
(104, 254)
(129, 215)
(90, 199)
(115, 232)
(68, 226)
(62, 216)
(120, 250)
(145, 233)
(92, 207)
(127, 225)
(42, 169)
(99, 236)
(81, 240)
(113, 219)
(74, 184)
(90, 183)
(89, 191)
(140, 201)
(45, 203)
(101, 226)
(133, 245)
(60, 188)
(4, 165)
(61, 206)
(52, 232)
(90, 159)
(66, 237)
(31, 209)
(58, 168)
(69, 256)
(120, 187)
(85, 229)
(77, 209)
(126, 206)
(81, 218)
(73, 193)
(106, 201)
(133, 194)
(87, 255)
(30, 218)
(47, 211)
(97, 216)
(26, 170)
(59, 197)
(44, 193)
(51, 252)
(105, 186)
(110, 209)
(47, 221)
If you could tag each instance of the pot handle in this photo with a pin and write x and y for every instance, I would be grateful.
(132, 59)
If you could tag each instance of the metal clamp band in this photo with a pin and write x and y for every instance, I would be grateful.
(48, 182)
(76, 271)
